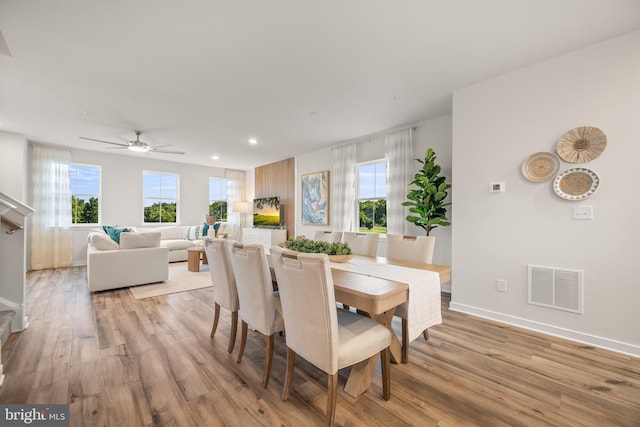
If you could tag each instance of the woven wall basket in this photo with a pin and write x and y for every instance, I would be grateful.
(581, 144)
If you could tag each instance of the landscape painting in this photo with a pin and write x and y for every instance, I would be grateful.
(315, 198)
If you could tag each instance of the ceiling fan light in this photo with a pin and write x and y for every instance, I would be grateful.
(138, 148)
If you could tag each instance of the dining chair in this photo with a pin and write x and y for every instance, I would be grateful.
(225, 292)
(362, 243)
(259, 305)
(327, 236)
(415, 249)
(325, 336)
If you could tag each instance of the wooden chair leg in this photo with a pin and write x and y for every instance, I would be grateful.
(385, 358)
(332, 389)
(288, 377)
(405, 341)
(234, 330)
(268, 360)
(216, 316)
(425, 334)
(243, 340)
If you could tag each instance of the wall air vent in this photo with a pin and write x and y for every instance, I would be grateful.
(557, 288)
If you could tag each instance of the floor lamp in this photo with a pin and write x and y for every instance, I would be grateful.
(242, 208)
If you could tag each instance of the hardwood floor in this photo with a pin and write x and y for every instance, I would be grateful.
(124, 362)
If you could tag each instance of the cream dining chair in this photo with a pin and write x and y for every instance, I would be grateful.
(327, 337)
(225, 293)
(327, 236)
(259, 305)
(414, 249)
(362, 243)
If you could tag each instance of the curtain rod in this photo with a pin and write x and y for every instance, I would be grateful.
(374, 135)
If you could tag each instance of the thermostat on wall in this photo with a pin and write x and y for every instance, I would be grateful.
(497, 187)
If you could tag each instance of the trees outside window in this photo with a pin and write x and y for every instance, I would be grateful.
(218, 198)
(84, 181)
(372, 197)
(160, 197)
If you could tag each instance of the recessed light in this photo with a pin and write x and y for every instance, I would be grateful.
(253, 141)
(214, 157)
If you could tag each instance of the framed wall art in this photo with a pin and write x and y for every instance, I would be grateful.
(315, 198)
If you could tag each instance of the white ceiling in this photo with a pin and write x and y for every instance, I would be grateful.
(298, 75)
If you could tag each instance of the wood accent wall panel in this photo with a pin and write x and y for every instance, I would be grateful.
(279, 179)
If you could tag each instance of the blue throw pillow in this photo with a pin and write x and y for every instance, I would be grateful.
(114, 232)
(216, 227)
(205, 229)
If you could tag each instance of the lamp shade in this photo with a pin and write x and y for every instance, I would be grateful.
(241, 207)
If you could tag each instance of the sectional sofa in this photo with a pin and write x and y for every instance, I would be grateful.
(142, 255)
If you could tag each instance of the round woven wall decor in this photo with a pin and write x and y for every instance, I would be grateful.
(581, 144)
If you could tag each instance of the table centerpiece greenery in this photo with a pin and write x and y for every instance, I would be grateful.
(337, 251)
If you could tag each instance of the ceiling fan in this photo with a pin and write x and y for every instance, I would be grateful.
(137, 145)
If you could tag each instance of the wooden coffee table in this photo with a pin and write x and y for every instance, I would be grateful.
(194, 255)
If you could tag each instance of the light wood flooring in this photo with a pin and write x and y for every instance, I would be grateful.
(124, 362)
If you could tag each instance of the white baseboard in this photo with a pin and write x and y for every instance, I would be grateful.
(593, 340)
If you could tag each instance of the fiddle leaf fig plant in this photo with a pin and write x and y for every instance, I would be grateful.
(426, 200)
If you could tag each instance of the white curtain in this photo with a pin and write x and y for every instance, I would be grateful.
(400, 172)
(343, 188)
(235, 193)
(51, 240)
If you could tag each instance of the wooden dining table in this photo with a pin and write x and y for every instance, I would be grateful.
(379, 298)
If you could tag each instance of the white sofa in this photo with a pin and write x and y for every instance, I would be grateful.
(178, 238)
(137, 260)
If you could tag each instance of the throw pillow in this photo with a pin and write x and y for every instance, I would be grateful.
(101, 241)
(193, 233)
(216, 227)
(205, 230)
(114, 232)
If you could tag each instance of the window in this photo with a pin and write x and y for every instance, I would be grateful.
(160, 194)
(84, 181)
(372, 196)
(218, 198)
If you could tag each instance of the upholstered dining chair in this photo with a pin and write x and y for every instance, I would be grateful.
(362, 243)
(415, 249)
(327, 236)
(259, 306)
(225, 293)
(327, 337)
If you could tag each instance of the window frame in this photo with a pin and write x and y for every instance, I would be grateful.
(177, 197)
(382, 161)
(99, 195)
(211, 201)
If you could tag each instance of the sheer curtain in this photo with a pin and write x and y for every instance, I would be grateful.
(235, 193)
(343, 188)
(51, 243)
(399, 153)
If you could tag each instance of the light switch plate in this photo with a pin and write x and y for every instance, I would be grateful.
(583, 212)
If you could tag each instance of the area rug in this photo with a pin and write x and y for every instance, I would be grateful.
(180, 280)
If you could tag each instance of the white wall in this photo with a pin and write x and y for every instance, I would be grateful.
(496, 125)
(121, 198)
(13, 165)
(435, 133)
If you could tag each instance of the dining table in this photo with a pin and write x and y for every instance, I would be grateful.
(376, 286)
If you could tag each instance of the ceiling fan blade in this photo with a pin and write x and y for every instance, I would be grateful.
(105, 142)
(123, 147)
(166, 151)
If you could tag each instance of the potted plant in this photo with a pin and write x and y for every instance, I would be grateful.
(426, 200)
